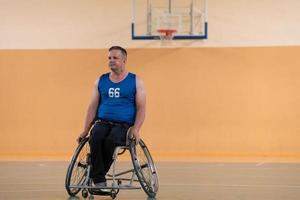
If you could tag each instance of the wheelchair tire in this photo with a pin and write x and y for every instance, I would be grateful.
(144, 168)
(78, 166)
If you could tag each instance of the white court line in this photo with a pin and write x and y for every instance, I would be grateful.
(29, 183)
(21, 191)
(219, 185)
(233, 185)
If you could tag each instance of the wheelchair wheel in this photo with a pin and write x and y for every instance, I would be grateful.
(144, 168)
(78, 167)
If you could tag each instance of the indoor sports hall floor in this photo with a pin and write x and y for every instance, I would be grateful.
(178, 181)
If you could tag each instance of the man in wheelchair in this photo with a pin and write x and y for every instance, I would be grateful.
(118, 102)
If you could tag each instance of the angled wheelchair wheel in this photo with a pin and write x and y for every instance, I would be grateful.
(78, 167)
(144, 168)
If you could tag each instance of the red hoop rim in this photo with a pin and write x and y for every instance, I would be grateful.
(167, 32)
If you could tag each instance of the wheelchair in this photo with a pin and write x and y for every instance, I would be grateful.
(143, 171)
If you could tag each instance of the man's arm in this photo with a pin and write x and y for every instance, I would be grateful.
(140, 100)
(91, 111)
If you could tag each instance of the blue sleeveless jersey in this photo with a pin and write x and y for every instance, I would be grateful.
(117, 100)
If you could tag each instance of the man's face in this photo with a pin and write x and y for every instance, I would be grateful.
(116, 60)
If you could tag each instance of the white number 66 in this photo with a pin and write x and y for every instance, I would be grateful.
(114, 92)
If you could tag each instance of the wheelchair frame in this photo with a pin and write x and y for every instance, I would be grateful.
(144, 172)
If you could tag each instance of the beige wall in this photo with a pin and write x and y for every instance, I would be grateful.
(205, 102)
(236, 98)
(56, 24)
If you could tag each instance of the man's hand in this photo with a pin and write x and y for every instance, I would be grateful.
(81, 136)
(134, 134)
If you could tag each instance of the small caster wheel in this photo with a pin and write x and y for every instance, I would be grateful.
(85, 193)
(113, 194)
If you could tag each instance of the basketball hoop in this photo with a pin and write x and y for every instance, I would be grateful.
(166, 34)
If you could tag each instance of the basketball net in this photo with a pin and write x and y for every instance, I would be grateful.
(166, 36)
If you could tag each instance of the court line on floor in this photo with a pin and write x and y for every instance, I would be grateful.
(29, 183)
(21, 191)
(171, 185)
(232, 185)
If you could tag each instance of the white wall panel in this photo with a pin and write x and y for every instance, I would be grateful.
(63, 24)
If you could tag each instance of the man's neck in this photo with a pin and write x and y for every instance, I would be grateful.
(118, 76)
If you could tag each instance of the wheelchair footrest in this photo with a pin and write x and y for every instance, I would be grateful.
(99, 192)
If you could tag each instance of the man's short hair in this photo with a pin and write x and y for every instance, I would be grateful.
(123, 51)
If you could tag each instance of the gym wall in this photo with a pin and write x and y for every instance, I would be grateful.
(233, 96)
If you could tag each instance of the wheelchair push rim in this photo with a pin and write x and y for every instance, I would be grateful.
(78, 167)
(144, 168)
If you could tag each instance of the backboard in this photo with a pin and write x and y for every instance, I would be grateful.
(187, 17)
